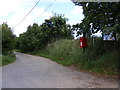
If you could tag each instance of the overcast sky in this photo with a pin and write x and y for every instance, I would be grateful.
(13, 11)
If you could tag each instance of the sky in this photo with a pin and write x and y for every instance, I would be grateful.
(13, 11)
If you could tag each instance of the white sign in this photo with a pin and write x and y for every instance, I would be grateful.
(108, 37)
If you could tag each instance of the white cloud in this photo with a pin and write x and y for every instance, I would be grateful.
(29, 20)
(58, 1)
(73, 22)
(13, 11)
(77, 10)
(40, 12)
(10, 6)
(48, 15)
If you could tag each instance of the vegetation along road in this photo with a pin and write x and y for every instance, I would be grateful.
(30, 71)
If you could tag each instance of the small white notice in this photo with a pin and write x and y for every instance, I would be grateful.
(109, 37)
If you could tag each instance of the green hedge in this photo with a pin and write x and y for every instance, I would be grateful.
(7, 59)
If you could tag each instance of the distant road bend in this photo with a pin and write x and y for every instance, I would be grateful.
(30, 71)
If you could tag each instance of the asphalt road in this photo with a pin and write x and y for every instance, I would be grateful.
(30, 71)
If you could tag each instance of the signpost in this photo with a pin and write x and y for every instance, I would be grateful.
(110, 38)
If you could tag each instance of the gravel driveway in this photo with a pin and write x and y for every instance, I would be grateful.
(30, 71)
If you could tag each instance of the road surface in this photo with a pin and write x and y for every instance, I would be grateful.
(30, 71)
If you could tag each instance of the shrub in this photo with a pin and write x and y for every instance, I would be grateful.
(7, 39)
(7, 59)
(67, 52)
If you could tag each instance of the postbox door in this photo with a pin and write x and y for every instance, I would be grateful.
(83, 42)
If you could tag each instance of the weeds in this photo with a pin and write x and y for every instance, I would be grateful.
(7, 59)
(95, 59)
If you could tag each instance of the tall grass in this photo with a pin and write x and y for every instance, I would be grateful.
(7, 59)
(67, 52)
(62, 51)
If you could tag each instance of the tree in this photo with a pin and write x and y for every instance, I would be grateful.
(99, 16)
(17, 43)
(28, 40)
(37, 37)
(7, 39)
(56, 27)
(0, 39)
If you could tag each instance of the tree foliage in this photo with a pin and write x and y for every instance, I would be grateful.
(100, 16)
(37, 37)
(7, 39)
(0, 39)
(29, 40)
(57, 27)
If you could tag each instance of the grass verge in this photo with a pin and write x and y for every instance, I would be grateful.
(7, 59)
(67, 53)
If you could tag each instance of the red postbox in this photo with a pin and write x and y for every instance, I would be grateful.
(83, 42)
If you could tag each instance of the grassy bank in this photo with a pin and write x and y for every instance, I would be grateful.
(7, 59)
(67, 52)
(61, 51)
